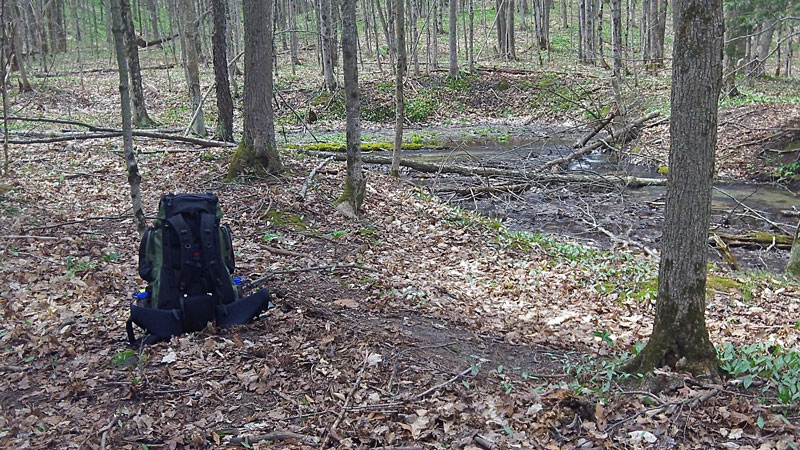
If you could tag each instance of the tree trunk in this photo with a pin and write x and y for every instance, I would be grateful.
(735, 30)
(471, 37)
(453, 19)
(616, 37)
(355, 185)
(564, 23)
(134, 179)
(763, 44)
(191, 62)
(224, 130)
(399, 98)
(680, 338)
(327, 38)
(510, 38)
(258, 149)
(154, 18)
(500, 20)
(293, 43)
(140, 117)
(16, 46)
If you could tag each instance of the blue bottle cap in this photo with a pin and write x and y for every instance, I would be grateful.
(238, 281)
(142, 295)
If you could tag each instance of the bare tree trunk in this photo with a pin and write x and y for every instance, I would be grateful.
(257, 150)
(763, 44)
(224, 130)
(453, 19)
(616, 37)
(564, 22)
(399, 99)
(471, 38)
(293, 43)
(4, 81)
(134, 179)
(511, 44)
(140, 117)
(154, 18)
(327, 36)
(16, 46)
(191, 62)
(680, 338)
(500, 21)
(355, 185)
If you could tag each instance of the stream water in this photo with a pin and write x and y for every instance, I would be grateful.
(630, 214)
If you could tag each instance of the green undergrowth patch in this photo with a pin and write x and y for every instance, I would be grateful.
(771, 369)
(285, 219)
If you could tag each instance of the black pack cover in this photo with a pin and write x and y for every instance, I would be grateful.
(187, 259)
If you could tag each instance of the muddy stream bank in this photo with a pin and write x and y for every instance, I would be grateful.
(588, 213)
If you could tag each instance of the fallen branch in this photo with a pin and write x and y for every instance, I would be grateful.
(311, 176)
(331, 267)
(63, 137)
(723, 248)
(274, 436)
(441, 385)
(626, 133)
(73, 222)
(484, 189)
(144, 44)
(530, 176)
(284, 252)
(12, 369)
(99, 70)
(41, 238)
(339, 418)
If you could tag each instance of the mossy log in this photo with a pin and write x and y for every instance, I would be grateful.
(755, 238)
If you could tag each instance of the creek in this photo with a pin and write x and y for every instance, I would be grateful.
(579, 211)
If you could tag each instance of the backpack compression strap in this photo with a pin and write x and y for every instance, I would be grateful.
(211, 253)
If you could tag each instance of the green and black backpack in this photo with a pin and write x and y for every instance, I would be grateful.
(187, 259)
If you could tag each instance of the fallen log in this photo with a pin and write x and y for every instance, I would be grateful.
(754, 238)
(79, 136)
(530, 176)
(626, 133)
(725, 251)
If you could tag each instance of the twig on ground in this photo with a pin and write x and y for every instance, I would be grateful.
(331, 267)
(274, 436)
(284, 252)
(40, 238)
(106, 429)
(441, 385)
(484, 443)
(73, 222)
(332, 429)
(12, 369)
(310, 177)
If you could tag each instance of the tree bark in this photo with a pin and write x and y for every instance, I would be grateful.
(140, 117)
(191, 62)
(355, 185)
(399, 98)
(258, 149)
(134, 179)
(680, 338)
(224, 130)
(453, 19)
(326, 27)
(616, 37)
(16, 45)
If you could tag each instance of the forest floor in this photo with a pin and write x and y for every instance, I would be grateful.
(424, 326)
